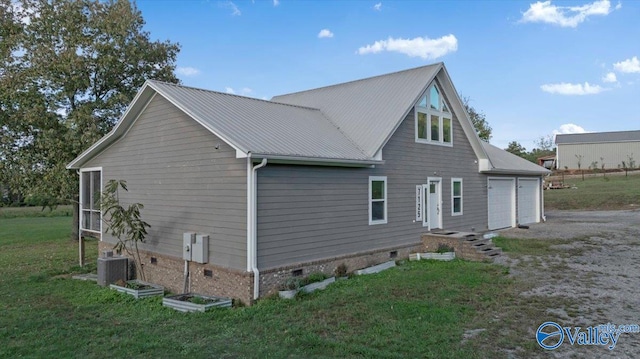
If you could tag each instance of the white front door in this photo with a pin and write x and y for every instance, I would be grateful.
(432, 204)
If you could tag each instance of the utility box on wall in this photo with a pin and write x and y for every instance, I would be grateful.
(200, 249)
(188, 238)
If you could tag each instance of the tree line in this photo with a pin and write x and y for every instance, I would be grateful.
(68, 70)
(544, 146)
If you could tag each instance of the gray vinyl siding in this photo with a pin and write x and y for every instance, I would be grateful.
(308, 213)
(613, 154)
(171, 166)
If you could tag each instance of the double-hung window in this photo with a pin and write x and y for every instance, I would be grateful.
(90, 190)
(377, 199)
(456, 196)
(433, 118)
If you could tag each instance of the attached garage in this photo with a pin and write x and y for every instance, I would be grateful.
(502, 202)
(513, 189)
(528, 197)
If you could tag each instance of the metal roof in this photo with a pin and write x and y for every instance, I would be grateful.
(262, 127)
(597, 137)
(344, 124)
(504, 162)
(368, 110)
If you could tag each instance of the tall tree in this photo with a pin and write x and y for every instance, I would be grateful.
(68, 73)
(544, 147)
(478, 119)
(517, 149)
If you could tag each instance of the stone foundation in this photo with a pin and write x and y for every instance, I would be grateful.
(169, 272)
(271, 280)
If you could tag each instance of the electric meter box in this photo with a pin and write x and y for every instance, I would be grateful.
(188, 238)
(200, 249)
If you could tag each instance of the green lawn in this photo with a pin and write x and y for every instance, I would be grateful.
(418, 309)
(15, 212)
(596, 193)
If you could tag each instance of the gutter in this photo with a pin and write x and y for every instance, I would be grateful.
(318, 160)
(516, 172)
(252, 223)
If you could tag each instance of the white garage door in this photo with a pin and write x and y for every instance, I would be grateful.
(528, 197)
(502, 202)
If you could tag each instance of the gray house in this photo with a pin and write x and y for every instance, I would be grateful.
(352, 173)
(612, 148)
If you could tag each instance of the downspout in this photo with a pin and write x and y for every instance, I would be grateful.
(252, 223)
(541, 189)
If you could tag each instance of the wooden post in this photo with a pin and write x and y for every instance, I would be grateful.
(81, 250)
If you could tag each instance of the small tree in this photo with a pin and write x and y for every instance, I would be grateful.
(604, 173)
(579, 157)
(125, 224)
(628, 165)
(594, 166)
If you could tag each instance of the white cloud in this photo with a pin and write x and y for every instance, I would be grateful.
(325, 33)
(377, 7)
(231, 6)
(631, 65)
(572, 89)
(187, 71)
(610, 78)
(245, 91)
(569, 128)
(565, 16)
(619, 6)
(422, 47)
(276, 2)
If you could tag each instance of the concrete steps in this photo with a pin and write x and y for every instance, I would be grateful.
(471, 246)
(484, 246)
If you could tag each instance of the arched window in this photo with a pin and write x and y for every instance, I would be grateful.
(433, 118)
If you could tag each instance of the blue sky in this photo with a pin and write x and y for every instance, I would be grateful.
(534, 68)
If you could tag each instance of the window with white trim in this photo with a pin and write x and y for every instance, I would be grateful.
(433, 118)
(456, 196)
(377, 199)
(90, 191)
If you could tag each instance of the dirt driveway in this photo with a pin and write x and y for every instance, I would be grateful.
(594, 266)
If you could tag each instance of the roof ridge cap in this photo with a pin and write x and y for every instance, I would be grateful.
(229, 94)
(359, 80)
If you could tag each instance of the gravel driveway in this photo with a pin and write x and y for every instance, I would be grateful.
(597, 268)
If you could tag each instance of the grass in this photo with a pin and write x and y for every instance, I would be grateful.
(418, 309)
(20, 212)
(596, 193)
(532, 247)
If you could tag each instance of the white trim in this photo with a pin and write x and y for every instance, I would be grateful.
(419, 203)
(114, 130)
(189, 113)
(249, 219)
(427, 203)
(378, 155)
(428, 111)
(453, 213)
(385, 200)
(252, 223)
(81, 201)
